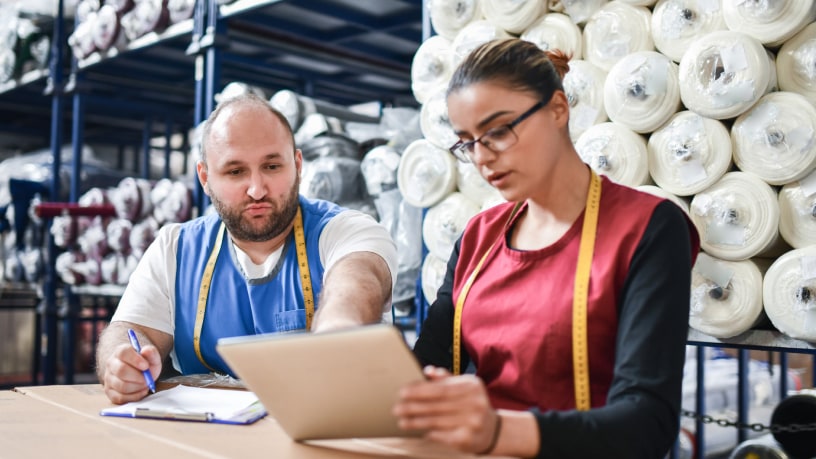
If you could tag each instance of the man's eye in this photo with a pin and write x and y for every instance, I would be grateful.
(234, 172)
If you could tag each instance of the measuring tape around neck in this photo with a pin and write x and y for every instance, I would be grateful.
(209, 268)
(579, 303)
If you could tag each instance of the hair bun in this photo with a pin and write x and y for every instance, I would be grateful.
(560, 60)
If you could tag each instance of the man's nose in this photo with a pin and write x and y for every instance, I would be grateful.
(257, 187)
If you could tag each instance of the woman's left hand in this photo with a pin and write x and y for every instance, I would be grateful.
(454, 410)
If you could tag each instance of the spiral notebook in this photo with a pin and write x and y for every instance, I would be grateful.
(185, 403)
(340, 384)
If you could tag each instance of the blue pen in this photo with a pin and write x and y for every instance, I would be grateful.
(147, 376)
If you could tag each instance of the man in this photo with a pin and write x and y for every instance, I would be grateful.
(236, 272)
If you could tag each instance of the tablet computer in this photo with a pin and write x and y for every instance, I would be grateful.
(339, 384)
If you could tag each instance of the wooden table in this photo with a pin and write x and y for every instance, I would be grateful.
(64, 421)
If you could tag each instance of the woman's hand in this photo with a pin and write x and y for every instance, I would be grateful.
(454, 410)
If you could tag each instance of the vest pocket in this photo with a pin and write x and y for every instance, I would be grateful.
(290, 320)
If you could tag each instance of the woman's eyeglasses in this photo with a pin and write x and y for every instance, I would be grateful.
(497, 139)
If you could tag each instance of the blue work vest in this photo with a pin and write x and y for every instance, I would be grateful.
(238, 306)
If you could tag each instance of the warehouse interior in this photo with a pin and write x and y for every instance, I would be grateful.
(710, 104)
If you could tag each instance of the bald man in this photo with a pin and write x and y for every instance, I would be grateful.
(239, 267)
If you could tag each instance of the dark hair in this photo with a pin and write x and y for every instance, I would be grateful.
(247, 99)
(516, 63)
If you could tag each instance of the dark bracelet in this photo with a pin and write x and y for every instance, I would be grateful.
(495, 438)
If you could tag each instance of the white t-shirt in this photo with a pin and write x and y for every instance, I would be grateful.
(149, 299)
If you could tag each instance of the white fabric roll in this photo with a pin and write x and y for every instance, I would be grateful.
(724, 73)
(584, 87)
(796, 64)
(661, 193)
(789, 291)
(448, 17)
(615, 151)
(797, 212)
(431, 67)
(689, 154)
(642, 91)
(677, 23)
(426, 174)
(434, 122)
(473, 185)
(512, 15)
(444, 223)
(433, 274)
(615, 30)
(639, 2)
(726, 296)
(578, 10)
(776, 139)
(738, 216)
(769, 21)
(555, 31)
(471, 36)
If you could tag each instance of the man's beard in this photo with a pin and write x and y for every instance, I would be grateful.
(277, 222)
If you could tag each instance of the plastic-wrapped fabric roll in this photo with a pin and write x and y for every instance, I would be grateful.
(332, 145)
(642, 91)
(473, 185)
(471, 36)
(131, 198)
(512, 15)
(180, 10)
(738, 216)
(660, 192)
(379, 169)
(689, 154)
(789, 292)
(333, 179)
(433, 274)
(578, 10)
(444, 223)
(615, 151)
(726, 296)
(677, 23)
(81, 39)
(776, 139)
(237, 88)
(555, 31)
(770, 22)
(615, 30)
(431, 67)
(797, 212)
(106, 31)
(434, 122)
(426, 174)
(448, 17)
(316, 125)
(723, 73)
(293, 107)
(584, 86)
(796, 64)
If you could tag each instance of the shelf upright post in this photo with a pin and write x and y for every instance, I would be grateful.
(743, 394)
(201, 107)
(48, 308)
(783, 375)
(216, 29)
(168, 150)
(420, 304)
(70, 311)
(700, 405)
(146, 134)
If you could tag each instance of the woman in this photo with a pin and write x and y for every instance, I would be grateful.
(515, 301)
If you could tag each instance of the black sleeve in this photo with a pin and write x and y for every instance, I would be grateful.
(434, 345)
(641, 417)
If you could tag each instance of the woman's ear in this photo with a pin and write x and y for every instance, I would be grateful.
(560, 108)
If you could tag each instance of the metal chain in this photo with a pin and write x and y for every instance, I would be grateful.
(756, 427)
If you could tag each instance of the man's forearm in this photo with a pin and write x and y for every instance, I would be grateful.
(355, 292)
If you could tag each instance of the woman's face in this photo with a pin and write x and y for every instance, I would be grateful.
(517, 160)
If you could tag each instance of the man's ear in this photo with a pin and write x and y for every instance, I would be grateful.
(203, 176)
(298, 161)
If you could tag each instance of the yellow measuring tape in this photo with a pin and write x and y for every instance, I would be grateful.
(206, 281)
(579, 304)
